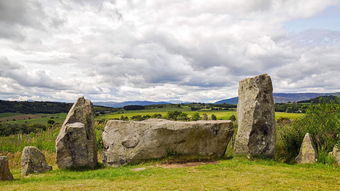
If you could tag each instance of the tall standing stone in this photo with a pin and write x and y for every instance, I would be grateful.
(33, 161)
(76, 142)
(5, 173)
(256, 117)
(307, 154)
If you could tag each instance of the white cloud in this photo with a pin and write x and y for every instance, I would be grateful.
(187, 50)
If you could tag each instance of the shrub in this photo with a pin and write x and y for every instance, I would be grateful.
(321, 121)
(50, 122)
(205, 116)
(196, 116)
(213, 117)
(124, 118)
(232, 118)
(156, 115)
(137, 118)
(183, 117)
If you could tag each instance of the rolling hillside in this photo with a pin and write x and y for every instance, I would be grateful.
(284, 97)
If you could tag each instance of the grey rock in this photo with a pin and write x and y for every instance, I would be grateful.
(135, 141)
(308, 153)
(256, 118)
(33, 161)
(336, 154)
(5, 173)
(76, 143)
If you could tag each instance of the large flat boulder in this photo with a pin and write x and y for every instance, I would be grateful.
(256, 117)
(308, 153)
(5, 173)
(76, 143)
(33, 161)
(134, 141)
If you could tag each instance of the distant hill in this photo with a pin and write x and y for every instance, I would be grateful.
(233, 100)
(122, 104)
(284, 97)
(323, 99)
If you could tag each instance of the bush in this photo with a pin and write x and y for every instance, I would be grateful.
(321, 121)
(50, 122)
(195, 117)
(232, 118)
(7, 129)
(156, 115)
(213, 117)
(205, 116)
(124, 118)
(183, 117)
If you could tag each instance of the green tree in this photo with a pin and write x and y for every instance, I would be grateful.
(213, 117)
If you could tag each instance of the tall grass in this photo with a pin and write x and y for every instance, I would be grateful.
(321, 121)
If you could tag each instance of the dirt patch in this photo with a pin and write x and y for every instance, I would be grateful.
(188, 164)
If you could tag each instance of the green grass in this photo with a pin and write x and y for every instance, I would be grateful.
(43, 140)
(9, 114)
(234, 174)
(40, 118)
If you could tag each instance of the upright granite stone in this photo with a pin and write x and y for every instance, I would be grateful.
(336, 154)
(33, 161)
(256, 118)
(76, 142)
(307, 154)
(134, 141)
(5, 173)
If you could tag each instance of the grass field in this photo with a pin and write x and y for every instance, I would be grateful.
(31, 118)
(232, 174)
(225, 174)
(59, 117)
(221, 115)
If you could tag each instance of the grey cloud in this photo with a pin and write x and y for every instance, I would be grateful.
(188, 50)
(26, 78)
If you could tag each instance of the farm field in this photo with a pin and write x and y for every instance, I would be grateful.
(221, 115)
(20, 118)
(59, 117)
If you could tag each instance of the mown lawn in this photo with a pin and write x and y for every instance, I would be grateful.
(227, 174)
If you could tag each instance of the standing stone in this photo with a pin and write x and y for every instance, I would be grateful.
(256, 117)
(307, 154)
(76, 142)
(336, 154)
(33, 161)
(134, 141)
(5, 173)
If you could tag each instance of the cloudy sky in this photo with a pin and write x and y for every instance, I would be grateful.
(161, 50)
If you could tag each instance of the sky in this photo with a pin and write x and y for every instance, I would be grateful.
(160, 50)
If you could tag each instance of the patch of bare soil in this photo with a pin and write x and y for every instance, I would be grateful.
(188, 164)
